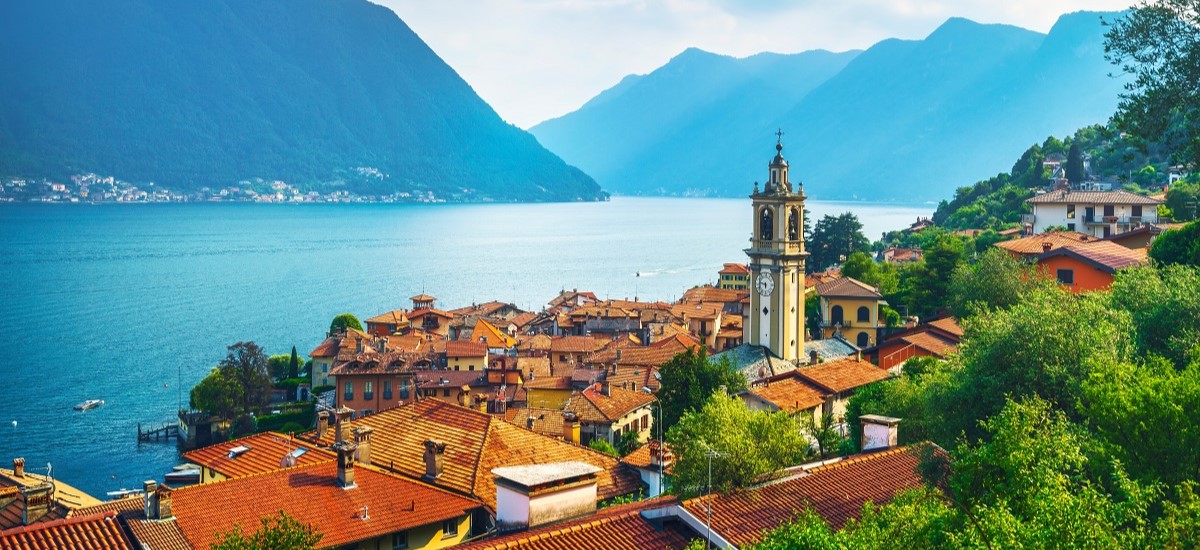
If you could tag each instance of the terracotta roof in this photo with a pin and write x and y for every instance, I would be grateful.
(836, 492)
(713, 295)
(843, 374)
(847, 287)
(348, 343)
(495, 337)
(639, 357)
(422, 298)
(642, 457)
(574, 344)
(616, 528)
(593, 406)
(678, 343)
(394, 317)
(523, 319)
(311, 494)
(1106, 256)
(790, 393)
(549, 383)
(466, 348)
(1091, 197)
(948, 324)
(932, 343)
(99, 531)
(545, 421)
(378, 363)
(266, 454)
(65, 499)
(151, 534)
(1036, 244)
(734, 269)
(475, 443)
(450, 378)
(634, 377)
(539, 366)
(419, 313)
(701, 311)
(537, 342)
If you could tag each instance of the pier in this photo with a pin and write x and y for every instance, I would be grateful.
(166, 432)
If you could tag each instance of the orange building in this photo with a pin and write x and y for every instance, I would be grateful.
(1088, 267)
(374, 383)
(387, 324)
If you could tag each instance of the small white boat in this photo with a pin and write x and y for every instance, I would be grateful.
(122, 493)
(89, 404)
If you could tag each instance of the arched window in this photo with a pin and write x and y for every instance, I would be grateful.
(864, 314)
(863, 340)
(793, 224)
(766, 225)
(835, 315)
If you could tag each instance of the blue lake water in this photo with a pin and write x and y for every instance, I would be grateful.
(134, 304)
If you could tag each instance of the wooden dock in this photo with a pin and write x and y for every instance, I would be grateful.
(166, 432)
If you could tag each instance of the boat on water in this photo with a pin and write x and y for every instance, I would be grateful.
(89, 404)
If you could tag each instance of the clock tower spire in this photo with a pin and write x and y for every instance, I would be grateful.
(777, 255)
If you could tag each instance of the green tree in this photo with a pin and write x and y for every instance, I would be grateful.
(1178, 246)
(217, 394)
(1183, 200)
(603, 446)
(744, 445)
(687, 381)
(279, 365)
(930, 279)
(1158, 44)
(344, 321)
(822, 431)
(294, 365)
(628, 442)
(282, 532)
(996, 280)
(1164, 304)
(834, 239)
(247, 364)
(1074, 165)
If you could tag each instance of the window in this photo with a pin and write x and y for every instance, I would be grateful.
(1109, 210)
(562, 357)
(450, 528)
(404, 389)
(324, 367)
(645, 421)
(400, 540)
(863, 340)
(1070, 211)
(835, 315)
(348, 391)
(864, 314)
(387, 389)
(471, 367)
(446, 392)
(766, 225)
(1070, 227)
(1066, 276)
(1137, 210)
(368, 390)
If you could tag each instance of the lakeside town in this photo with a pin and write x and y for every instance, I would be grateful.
(616, 423)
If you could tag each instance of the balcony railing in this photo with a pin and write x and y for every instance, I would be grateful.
(367, 396)
(387, 395)
(1108, 220)
(787, 247)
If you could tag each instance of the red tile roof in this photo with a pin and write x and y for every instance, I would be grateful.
(152, 534)
(266, 454)
(574, 344)
(734, 269)
(790, 393)
(394, 317)
(643, 457)
(494, 337)
(948, 324)
(1106, 256)
(311, 494)
(465, 348)
(932, 343)
(97, 531)
(1036, 244)
(593, 406)
(836, 492)
(550, 383)
(843, 374)
(1091, 197)
(616, 528)
(847, 287)
(475, 443)
(713, 295)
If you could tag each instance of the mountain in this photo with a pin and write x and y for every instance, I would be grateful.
(903, 120)
(189, 94)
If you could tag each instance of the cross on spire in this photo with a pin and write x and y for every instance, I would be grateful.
(779, 136)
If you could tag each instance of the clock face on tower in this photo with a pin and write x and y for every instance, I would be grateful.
(764, 284)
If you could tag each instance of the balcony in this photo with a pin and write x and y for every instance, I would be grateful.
(367, 396)
(1109, 220)
(387, 396)
(779, 247)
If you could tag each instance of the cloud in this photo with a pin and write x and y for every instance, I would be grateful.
(537, 59)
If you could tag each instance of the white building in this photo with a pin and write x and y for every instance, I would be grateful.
(1097, 213)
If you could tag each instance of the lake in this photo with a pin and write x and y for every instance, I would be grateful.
(134, 304)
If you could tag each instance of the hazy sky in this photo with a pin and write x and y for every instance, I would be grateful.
(538, 59)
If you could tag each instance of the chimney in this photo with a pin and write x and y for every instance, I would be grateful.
(345, 463)
(343, 424)
(434, 452)
(605, 389)
(362, 438)
(18, 467)
(481, 403)
(322, 423)
(529, 422)
(37, 501)
(158, 501)
(538, 494)
(463, 393)
(879, 432)
(1046, 246)
(571, 427)
(858, 355)
(812, 357)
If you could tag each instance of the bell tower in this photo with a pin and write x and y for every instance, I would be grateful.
(777, 255)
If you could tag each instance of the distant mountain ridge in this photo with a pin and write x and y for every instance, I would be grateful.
(906, 120)
(190, 94)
